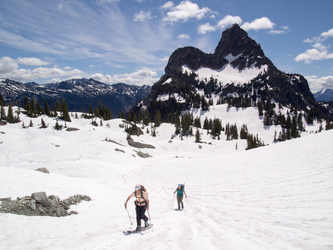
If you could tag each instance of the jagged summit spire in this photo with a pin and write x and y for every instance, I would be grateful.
(235, 41)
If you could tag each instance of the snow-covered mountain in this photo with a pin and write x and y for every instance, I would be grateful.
(324, 95)
(78, 93)
(275, 197)
(238, 73)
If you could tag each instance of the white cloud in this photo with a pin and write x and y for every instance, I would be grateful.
(100, 77)
(144, 76)
(9, 69)
(313, 54)
(204, 28)
(184, 11)
(7, 65)
(282, 30)
(228, 20)
(183, 37)
(318, 83)
(258, 24)
(167, 5)
(327, 34)
(141, 16)
(32, 61)
(319, 50)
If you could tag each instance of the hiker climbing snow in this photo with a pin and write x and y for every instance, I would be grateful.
(180, 194)
(141, 204)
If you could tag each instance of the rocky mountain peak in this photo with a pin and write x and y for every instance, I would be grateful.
(238, 72)
(234, 44)
(235, 41)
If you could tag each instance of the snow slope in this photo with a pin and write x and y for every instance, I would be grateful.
(275, 197)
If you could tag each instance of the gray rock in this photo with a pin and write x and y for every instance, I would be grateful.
(43, 170)
(41, 198)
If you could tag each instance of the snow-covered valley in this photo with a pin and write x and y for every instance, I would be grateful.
(275, 197)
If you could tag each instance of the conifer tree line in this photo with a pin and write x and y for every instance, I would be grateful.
(33, 108)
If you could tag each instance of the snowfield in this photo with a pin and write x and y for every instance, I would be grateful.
(275, 197)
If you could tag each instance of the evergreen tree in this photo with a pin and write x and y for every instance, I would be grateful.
(91, 112)
(244, 132)
(206, 124)
(204, 104)
(47, 109)
(65, 112)
(122, 115)
(40, 110)
(2, 102)
(157, 119)
(10, 115)
(197, 136)
(57, 126)
(3, 113)
(96, 113)
(43, 123)
(197, 122)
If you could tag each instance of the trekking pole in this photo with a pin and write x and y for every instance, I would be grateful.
(129, 216)
(149, 216)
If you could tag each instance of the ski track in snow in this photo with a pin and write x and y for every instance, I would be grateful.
(275, 197)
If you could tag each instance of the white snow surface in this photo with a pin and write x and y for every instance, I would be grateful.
(275, 197)
(227, 74)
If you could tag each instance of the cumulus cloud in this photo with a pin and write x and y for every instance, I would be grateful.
(313, 54)
(32, 61)
(144, 76)
(184, 11)
(141, 16)
(229, 20)
(204, 28)
(319, 83)
(258, 24)
(9, 69)
(7, 65)
(319, 51)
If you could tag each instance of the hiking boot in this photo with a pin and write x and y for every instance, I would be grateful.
(146, 223)
(138, 228)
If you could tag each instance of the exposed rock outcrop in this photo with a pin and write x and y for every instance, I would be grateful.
(39, 204)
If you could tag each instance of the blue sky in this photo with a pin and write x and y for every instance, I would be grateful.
(130, 41)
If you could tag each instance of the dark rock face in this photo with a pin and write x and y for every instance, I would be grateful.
(237, 50)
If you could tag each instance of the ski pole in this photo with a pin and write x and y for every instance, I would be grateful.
(149, 216)
(129, 216)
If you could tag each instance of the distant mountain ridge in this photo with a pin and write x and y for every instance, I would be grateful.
(324, 95)
(78, 93)
(238, 73)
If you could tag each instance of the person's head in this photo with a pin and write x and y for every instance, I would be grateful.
(137, 187)
(179, 185)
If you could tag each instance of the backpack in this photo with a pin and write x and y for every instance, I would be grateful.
(142, 189)
(180, 192)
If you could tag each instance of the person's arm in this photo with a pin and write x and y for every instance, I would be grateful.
(185, 193)
(129, 197)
